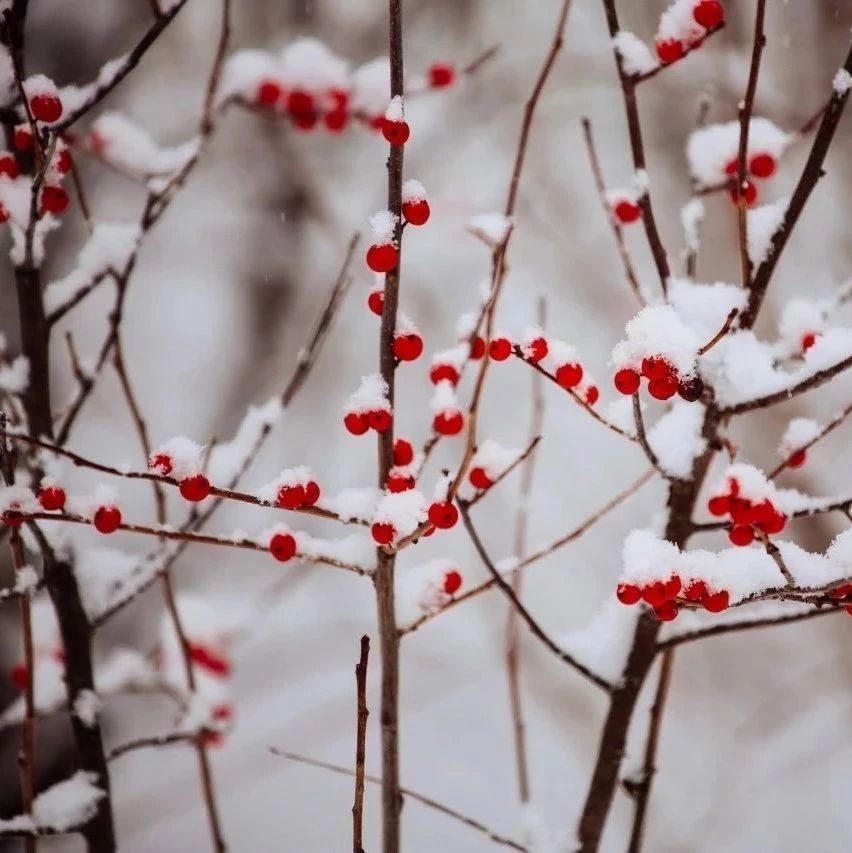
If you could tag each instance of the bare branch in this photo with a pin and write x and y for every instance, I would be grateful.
(360, 746)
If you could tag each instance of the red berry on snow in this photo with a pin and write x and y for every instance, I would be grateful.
(732, 166)
(4, 214)
(441, 74)
(452, 582)
(340, 98)
(268, 93)
(500, 349)
(592, 395)
(46, 108)
(695, 591)
(626, 381)
(52, 498)
(399, 483)
(477, 348)
(416, 212)
(312, 493)
(569, 375)
(305, 121)
(210, 660)
(408, 347)
(479, 478)
(379, 420)
(282, 546)
(716, 602)
(395, 132)
(443, 515)
(741, 535)
(194, 488)
(797, 459)
(356, 423)
(690, 389)
(376, 301)
(13, 517)
(627, 211)
(536, 350)
(20, 676)
(382, 533)
(669, 50)
(161, 463)
(22, 139)
(719, 505)
(54, 200)
(840, 592)
(382, 258)
(628, 593)
(448, 423)
(809, 340)
(666, 612)
(663, 389)
(63, 162)
(774, 524)
(673, 586)
(708, 14)
(749, 193)
(336, 121)
(107, 519)
(300, 103)
(444, 373)
(290, 497)
(762, 165)
(655, 593)
(9, 166)
(655, 367)
(740, 510)
(403, 452)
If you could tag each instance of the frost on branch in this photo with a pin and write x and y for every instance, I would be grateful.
(657, 331)
(676, 438)
(842, 82)
(14, 374)
(799, 432)
(763, 222)
(635, 56)
(491, 228)
(426, 589)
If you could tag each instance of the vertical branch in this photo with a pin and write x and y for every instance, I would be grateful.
(360, 747)
(385, 561)
(746, 112)
(520, 547)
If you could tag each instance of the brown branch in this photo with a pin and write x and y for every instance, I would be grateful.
(649, 75)
(406, 792)
(155, 741)
(617, 232)
(536, 629)
(516, 463)
(643, 438)
(726, 328)
(828, 428)
(360, 746)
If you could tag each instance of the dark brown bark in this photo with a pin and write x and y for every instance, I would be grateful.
(360, 746)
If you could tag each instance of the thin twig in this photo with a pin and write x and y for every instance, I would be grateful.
(360, 746)
(828, 428)
(726, 327)
(643, 438)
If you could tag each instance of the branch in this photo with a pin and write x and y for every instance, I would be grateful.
(691, 48)
(360, 746)
(828, 428)
(534, 627)
(726, 327)
(643, 438)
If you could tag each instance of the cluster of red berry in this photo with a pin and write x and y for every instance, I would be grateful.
(662, 596)
(761, 165)
(747, 516)
(442, 515)
(663, 380)
(708, 14)
(298, 495)
(195, 488)
(359, 422)
(841, 593)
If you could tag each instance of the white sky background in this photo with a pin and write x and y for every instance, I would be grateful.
(754, 754)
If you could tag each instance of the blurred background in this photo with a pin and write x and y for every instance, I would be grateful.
(755, 753)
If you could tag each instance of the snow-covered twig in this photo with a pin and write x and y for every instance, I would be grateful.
(828, 428)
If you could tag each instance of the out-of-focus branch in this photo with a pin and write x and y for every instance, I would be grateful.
(360, 746)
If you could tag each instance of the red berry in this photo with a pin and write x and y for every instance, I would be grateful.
(382, 258)
(13, 517)
(9, 166)
(4, 213)
(719, 505)
(52, 498)
(477, 348)
(709, 14)
(46, 108)
(376, 301)
(663, 389)
(666, 612)
(673, 586)
(268, 93)
(848, 610)
(536, 350)
(356, 423)
(655, 593)
(340, 97)
(448, 423)
(452, 582)
(690, 389)
(312, 492)
(305, 121)
(416, 212)
(669, 50)
(840, 592)
(569, 375)
(300, 103)
(379, 420)
(20, 676)
(500, 349)
(626, 381)
(336, 121)
(444, 373)
(797, 459)
(395, 132)
(54, 200)
(762, 165)
(628, 593)
(403, 452)
(63, 162)
(732, 166)
(592, 395)
(741, 535)
(443, 515)
(408, 347)
(740, 510)
(627, 211)
(194, 488)
(383, 534)
(441, 74)
(22, 140)
(695, 591)
(161, 463)
(107, 519)
(282, 546)
(716, 602)
(749, 193)
(774, 524)
(479, 478)
(399, 483)
(808, 340)
(655, 367)
(210, 660)
(290, 497)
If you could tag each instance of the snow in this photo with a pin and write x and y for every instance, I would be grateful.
(355, 549)
(619, 412)
(68, 804)
(187, 456)
(396, 109)
(108, 249)
(677, 23)
(371, 87)
(491, 228)
(244, 71)
(87, 706)
(636, 58)
(560, 353)
(371, 394)
(704, 307)
(615, 195)
(103, 575)
(406, 511)
(354, 504)
(676, 438)
(383, 225)
(657, 330)
(494, 458)
(420, 590)
(801, 317)
(691, 217)
(39, 84)
(455, 356)
(74, 97)
(842, 82)
(26, 580)
(413, 190)
(299, 475)
(19, 499)
(763, 223)
(15, 375)
(799, 432)
(444, 398)
(307, 64)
